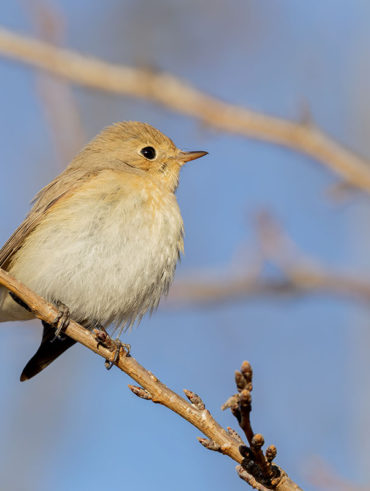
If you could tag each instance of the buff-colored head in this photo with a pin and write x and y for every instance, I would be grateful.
(138, 146)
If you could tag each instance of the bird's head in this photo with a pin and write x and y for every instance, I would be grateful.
(142, 147)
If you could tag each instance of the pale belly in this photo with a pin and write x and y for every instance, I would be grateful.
(108, 260)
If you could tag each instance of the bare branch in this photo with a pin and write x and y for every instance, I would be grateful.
(218, 439)
(243, 474)
(300, 275)
(177, 95)
(55, 94)
(254, 458)
(203, 292)
(257, 468)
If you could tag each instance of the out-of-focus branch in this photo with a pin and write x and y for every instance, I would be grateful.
(55, 94)
(200, 291)
(226, 442)
(299, 275)
(177, 95)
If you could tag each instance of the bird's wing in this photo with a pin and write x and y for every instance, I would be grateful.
(64, 184)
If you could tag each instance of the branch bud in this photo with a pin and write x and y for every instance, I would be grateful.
(195, 399)
(209, 444)
(140, 392)
(257, 441)
(271, 453)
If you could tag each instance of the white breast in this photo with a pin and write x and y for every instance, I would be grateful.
(109, 257)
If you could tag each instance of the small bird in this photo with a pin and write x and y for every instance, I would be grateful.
(103, 238)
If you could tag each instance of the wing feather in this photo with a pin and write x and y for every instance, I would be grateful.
(64, 184)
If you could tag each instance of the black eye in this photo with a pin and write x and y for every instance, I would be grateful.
(148, 152)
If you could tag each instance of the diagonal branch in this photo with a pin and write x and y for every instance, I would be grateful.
(226, 442)
(177, 95)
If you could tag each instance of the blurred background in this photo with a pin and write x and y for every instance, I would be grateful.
(77, 426)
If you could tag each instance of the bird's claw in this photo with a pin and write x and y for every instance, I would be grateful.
(62, 320)
(116, 345)
(101, 336)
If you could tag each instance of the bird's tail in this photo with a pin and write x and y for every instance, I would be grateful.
(50, 348)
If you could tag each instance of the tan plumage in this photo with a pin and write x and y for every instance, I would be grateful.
(104, 236)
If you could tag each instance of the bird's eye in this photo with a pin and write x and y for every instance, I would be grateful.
(148, 152)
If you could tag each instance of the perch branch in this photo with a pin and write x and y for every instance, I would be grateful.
(226, 442)
(176, 95)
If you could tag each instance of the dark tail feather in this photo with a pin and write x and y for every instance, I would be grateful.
(50, 348)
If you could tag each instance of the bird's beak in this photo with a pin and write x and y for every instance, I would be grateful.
(184, 157)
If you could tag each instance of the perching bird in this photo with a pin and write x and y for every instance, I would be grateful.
(103, 238)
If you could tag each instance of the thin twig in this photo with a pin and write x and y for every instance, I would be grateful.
(175, 94)
(257, 468)
(255, 462)
(149, 385)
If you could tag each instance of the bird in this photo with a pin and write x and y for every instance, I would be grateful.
(102, 239)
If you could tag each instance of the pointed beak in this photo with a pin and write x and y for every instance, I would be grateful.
(184, 157)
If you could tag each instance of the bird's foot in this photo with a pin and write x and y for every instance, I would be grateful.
(101, 336)
(116, 345)
(62, 320)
